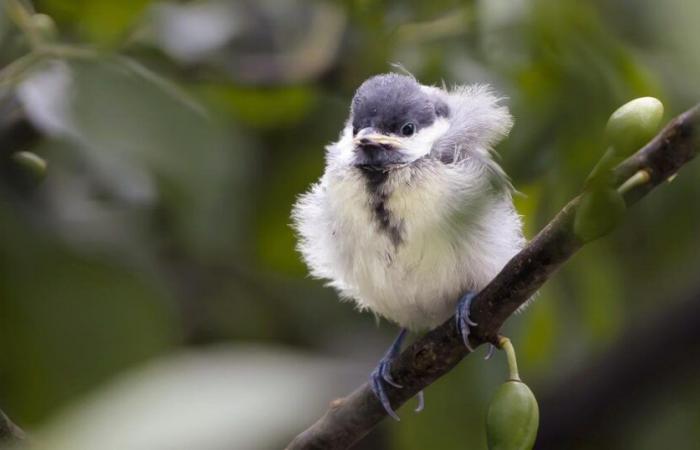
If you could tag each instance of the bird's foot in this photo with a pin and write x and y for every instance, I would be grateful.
(462, 317)
(382, 374)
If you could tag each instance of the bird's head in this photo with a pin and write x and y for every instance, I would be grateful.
(394, 121)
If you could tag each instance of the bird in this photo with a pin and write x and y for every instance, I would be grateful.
(413, 215)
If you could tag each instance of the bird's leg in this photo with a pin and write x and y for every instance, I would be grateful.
(382, 374)
(462, 317)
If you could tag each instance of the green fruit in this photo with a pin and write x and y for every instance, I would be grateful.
(598, 213)
(46, 26)
(32, 166)
(512, 418)
(633, 124)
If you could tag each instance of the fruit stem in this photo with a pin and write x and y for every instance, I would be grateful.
(601, 171)
(507, 346)
(638, 179)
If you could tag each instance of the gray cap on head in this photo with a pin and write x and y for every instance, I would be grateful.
(388, 102)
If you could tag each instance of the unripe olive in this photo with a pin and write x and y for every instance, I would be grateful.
(599, 211)
(634, 124)
(32, 166)
(512, 418)
(46, 26)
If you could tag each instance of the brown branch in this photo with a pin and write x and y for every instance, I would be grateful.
(433, 355)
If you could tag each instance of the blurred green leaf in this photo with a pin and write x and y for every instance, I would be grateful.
(597, 284)
(124, 118)
(262, 108)
(541, 329)
(68, 322)
(102, 21)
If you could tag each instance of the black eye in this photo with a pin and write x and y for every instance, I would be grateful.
(408, 129)
(354, 131)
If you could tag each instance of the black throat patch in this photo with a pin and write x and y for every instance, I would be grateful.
(378, 196)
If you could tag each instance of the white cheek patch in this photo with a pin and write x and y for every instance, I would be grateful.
(342, 152)
(422, 142)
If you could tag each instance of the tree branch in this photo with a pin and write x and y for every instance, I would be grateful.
(436, 353)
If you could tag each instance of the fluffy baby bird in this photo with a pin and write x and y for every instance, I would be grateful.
(412, 215)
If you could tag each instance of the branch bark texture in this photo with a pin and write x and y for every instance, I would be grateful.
(350, 418)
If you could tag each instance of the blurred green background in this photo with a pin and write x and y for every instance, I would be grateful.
(176, 146)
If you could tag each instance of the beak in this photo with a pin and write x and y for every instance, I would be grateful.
(376, 151)
(373, 139)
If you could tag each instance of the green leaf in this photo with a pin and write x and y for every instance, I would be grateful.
(262, 108)
(102, 21)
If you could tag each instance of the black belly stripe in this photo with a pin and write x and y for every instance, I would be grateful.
(378, 198)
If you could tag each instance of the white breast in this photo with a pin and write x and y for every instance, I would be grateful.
(456, 234)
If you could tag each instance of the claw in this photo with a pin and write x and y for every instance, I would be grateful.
(382, 373)
(421, 402)
(463, 319)
(385, 372)
(489, 354)
(379, 391)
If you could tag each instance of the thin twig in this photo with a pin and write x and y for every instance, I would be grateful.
(436, 353)
(11, 73)
(21, 13)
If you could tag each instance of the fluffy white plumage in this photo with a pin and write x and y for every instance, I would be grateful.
(449, 204)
